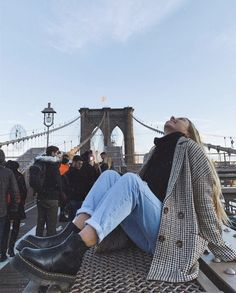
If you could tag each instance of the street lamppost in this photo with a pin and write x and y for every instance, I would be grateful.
(48, 118)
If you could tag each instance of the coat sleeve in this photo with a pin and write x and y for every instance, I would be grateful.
(22, 188)
(209, 225)
(58, 180)
(14, 192)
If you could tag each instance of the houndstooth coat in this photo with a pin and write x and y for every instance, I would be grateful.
(189, 222)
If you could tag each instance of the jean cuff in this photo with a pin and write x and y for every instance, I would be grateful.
(84, 210)
(97, 227)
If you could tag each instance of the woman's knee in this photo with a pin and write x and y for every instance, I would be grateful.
(129, 177)
(110, 174)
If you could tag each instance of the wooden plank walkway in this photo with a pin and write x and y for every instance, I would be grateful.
(10, 280)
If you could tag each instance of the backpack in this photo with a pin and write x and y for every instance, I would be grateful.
(37, 174)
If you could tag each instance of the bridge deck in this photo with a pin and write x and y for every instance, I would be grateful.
(125, 271)
(216, 271)
(10, 280)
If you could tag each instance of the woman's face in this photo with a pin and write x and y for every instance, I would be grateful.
(176, 124)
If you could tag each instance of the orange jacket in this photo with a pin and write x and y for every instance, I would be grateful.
(63, 168)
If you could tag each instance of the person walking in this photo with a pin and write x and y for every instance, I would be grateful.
(48, 197)
(10, 235)
(8, 193)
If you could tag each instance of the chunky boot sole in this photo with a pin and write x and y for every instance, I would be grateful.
(39, 276)
(25, 243)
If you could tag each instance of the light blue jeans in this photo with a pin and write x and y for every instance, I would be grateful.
(126, 200)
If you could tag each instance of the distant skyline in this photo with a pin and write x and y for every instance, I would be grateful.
(161, 57)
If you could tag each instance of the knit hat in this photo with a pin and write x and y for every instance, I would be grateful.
(2, 156)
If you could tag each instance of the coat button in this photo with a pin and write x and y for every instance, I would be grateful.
(162, 238)
(180, 215)
(166, 210)
(179, 243)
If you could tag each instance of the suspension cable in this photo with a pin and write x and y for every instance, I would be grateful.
(36, 134)
(147, 126)
(219, 148)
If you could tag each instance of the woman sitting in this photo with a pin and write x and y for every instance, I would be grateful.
(171, 210)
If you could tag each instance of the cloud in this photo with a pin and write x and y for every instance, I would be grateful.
(77, 23)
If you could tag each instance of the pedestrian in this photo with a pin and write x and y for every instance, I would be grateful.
(76, 187)
(8, 193)
(51, 192)
(106, 163)
(64, 167)
(11, 234)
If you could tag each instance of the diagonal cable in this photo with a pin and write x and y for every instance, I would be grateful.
(147, 126)
(219, 148)
(36, 134)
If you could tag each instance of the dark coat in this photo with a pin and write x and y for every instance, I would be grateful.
(8, 185)
(52, 187)
(23, 194)
(79, 181)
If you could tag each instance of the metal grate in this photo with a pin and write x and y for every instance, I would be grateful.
(122, 271)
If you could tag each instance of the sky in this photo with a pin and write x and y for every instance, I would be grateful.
(161, 57)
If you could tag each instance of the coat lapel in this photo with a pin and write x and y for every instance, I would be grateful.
(177, 164)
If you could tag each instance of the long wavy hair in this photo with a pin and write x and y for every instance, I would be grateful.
(217, 192)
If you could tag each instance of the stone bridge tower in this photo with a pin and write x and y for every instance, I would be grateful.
(121, 117)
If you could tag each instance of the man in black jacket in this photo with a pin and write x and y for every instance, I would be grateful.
(79, 180)
(8, 191)
(47, 199)
(73, 182)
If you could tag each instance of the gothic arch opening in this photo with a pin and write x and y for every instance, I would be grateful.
(97, 144)
(117, 138)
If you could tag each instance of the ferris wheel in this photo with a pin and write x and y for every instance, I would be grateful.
(16, 132)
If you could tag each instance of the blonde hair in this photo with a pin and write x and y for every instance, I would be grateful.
(109, 162)
(217, 193)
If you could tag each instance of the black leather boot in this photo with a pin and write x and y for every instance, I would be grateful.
(32, 241)
(55, 265)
